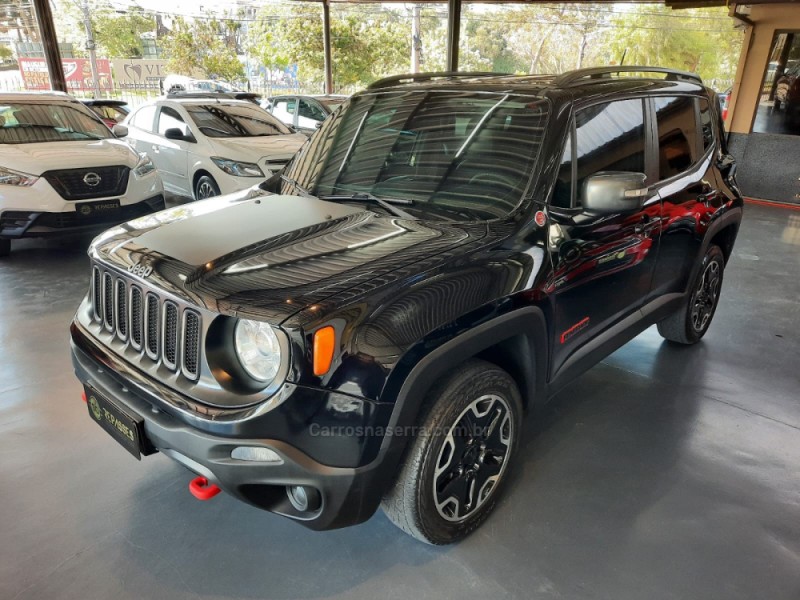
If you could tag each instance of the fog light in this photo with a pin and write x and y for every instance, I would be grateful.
(303, 498)
(256, 454)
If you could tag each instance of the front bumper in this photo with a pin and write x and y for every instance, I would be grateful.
(27, 223)
(349, 495)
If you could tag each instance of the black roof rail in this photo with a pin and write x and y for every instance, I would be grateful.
(604, 72)
(413, 77)
(189, 94)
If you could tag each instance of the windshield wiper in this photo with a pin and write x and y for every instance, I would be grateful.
(303, 191)
(387, 203)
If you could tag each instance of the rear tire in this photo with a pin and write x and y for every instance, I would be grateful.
(205, 187)
(689, 324)
(5, 247)
(457, 464)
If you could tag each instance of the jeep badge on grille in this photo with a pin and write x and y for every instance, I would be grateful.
(140, 270)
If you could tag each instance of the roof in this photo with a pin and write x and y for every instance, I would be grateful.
(206, 100)
(36, 96)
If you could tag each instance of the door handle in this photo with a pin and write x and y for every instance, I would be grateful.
(155, 148)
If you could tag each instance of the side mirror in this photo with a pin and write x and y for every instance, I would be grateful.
(174, 133)
(614, 192)
(120, 130)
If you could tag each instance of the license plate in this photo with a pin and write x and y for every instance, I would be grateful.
(94, 210)
(126, 428)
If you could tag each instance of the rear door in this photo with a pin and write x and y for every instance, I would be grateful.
(172, 156)
(687, 184)
(141, 127)
(285, 109)
(602, 264)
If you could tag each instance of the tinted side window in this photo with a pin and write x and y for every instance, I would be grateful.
(311, 111)
(170, 119)
(143, 119)
(677, 135)
(609, 137)
(706, 124)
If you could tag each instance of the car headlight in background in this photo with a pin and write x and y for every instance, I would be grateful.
(258, 349)
(9, 177)
(238, 168)
(144, 167)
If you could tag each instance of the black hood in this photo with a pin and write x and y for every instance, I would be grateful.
(267, 256)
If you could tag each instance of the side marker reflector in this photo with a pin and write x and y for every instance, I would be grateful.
(324, 342)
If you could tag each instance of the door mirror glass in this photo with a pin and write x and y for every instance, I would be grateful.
(174, 133)
(120, 131)
(614, 192)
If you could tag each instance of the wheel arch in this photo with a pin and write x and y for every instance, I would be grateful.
(515, 341)
(200, 172)
(725, 238)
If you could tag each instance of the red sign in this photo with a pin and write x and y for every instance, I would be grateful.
(77, 71)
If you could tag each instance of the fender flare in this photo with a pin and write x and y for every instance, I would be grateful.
(528, 322)
(732, 216)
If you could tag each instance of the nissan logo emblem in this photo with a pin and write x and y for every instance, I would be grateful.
(92, 179)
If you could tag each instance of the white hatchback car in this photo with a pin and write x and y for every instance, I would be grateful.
(204, 147)
(63, 171)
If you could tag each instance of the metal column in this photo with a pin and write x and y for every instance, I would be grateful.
(326, 43)
(47, 30)
(453, 33)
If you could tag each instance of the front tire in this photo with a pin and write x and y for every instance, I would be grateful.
(690, 323)
(455, 468)
(5, 247)
(205, 187)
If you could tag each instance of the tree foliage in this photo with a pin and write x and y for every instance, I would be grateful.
(120, 35)
(202, 46)
(364, 47)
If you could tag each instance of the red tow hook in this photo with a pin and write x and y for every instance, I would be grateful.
(202, 489)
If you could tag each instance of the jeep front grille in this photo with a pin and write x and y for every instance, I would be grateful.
(160, 329)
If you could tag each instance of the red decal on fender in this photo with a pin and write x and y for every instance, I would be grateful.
(540, 218)
(580, 325)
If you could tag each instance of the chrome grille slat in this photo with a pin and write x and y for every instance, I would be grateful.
(97, 294)
(151, 325)
(136, 317)
(121, 312)
(108, 301)
(170, 339)
(191, 344)
(162, 330)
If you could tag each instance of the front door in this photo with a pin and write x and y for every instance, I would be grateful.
(602, 264)
(171, 157)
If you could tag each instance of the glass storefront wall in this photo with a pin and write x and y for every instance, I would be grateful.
(779, 102)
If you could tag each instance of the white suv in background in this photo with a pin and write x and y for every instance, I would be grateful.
(63, 171)
(204, 147)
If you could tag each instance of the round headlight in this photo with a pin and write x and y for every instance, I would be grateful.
(258, 349)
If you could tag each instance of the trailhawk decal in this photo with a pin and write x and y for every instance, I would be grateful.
(572, 331)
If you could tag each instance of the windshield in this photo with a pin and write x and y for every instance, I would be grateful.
(27, 123)
(239, 120)
(468, 153)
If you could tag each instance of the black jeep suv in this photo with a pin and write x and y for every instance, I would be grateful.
(368, 327)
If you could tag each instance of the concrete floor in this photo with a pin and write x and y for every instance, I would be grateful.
(662, 473)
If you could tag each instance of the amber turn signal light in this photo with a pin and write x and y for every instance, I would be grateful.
(324, 342)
